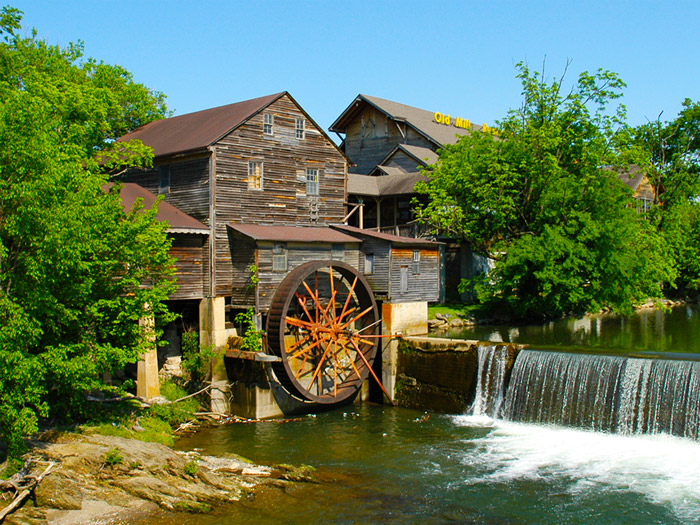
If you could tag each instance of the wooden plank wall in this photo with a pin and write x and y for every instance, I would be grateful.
(379, 140)
(191, 253)
(380, 278)
(243, 256)
(421, 287)
(297, 254)
(283, 199)
(189, 184)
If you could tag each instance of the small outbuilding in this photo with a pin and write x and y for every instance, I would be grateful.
(399, 269)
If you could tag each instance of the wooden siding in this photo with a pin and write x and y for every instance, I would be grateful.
(189, 184)
(404, 162)
(421, 287)
(243, 255)
(379, 278)
(283, 199)
(191, 256)
(379, 140)
(297, 254)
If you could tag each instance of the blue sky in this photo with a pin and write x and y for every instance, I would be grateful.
(456, 57)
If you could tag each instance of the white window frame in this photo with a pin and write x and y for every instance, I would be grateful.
(268, 124)
(312, 181)
(300, 128)
(255, 180)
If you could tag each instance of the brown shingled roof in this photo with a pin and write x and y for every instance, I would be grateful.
(291, 233)
(178, 221)
(378, 186)
(420, 119)
(195, 131)
(394, 239)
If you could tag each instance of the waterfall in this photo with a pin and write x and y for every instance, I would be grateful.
(606, 393)
(491, 377)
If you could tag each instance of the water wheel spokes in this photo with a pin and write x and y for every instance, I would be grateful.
(324, 324)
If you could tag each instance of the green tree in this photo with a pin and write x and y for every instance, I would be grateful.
(541, 200)
(76, 271)
(668, 154)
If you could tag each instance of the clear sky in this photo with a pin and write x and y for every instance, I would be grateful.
(456, 57)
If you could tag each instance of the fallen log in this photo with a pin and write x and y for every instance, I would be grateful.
(24, 494)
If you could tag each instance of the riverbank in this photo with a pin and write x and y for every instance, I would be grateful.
(110, 479)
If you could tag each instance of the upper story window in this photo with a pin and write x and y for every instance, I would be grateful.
(416, 262)
(279, 257)
(311, 181)
(163, 180)
(255, 175)
(300, 128)
(268, 124)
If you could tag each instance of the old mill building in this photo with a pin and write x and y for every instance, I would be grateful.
(388, 143)
(256, 187)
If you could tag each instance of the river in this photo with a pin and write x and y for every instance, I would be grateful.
(394, 465)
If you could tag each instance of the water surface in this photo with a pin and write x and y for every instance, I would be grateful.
(647, 330)
(396, 465)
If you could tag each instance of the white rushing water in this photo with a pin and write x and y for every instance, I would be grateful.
(662, 468)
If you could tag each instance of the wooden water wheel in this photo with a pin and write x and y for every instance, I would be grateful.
(324, 325)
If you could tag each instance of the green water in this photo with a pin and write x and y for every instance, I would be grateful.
(648, 330)
(391, 465)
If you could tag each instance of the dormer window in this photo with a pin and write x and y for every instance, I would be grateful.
(268, 123)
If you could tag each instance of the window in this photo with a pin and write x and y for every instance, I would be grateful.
(268, 123)
(163, 180)
(279, 257)
(311, 181)
(416, 262)
(338, 252)
(300, 128)
(404, 279)
(255, 175)
(369, 263)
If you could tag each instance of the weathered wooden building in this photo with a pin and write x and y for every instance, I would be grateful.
(387, 144)
(399, 269)
(262, 161)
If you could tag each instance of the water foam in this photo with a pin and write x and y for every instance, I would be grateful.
(660, 467)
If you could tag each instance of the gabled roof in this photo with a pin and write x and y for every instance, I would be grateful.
(196, 131)
(422, 156)
(394, 239)
(260, 232)
(396, 184)
(200, 129)
(419, 119)
(178, 220)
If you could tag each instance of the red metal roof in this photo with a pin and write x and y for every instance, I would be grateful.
(291, 233)
(195, 131)
(178, 220)
(394, 239)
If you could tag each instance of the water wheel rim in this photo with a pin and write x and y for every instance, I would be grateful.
(323, 323)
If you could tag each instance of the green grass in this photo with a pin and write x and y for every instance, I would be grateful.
(454, 310)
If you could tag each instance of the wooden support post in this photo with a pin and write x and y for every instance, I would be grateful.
(147, 383)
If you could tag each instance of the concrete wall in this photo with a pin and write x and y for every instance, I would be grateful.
(439, 374)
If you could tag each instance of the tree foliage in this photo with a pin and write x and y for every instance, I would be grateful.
(668, 154)
(543, 201)
(76, 271)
